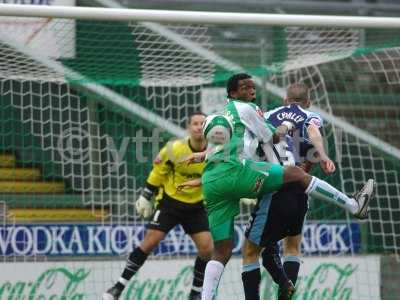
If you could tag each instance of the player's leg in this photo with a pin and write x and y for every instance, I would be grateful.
(267, 225)
(251, 275)
(273, 176)
(291, 253)
(222, 207)
(161, 223)
(292, 243)
(204, 245)
(134, 262)
(254, 233)
(251, 183)
(222, 230)
(196, 225)
(139, 255)
(267, 228)
(271, 260)
(320, 189)
(215, 267)
(257, 179)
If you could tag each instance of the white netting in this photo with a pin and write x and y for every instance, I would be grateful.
(15, 65)
(164, 62)
(172, 73)
(312, 46)
(359, 162)
(385, 61)
(53, 38)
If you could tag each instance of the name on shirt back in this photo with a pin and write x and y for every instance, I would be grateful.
(291, 116)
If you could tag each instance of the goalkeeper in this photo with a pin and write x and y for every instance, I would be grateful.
(249, 178)
(184, 207)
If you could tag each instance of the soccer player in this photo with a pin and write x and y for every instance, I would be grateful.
(184, 207)
(232, 173)
(285, 213)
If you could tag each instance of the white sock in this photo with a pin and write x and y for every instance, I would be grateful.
(123, 281)
(212, 275)
(322, 190)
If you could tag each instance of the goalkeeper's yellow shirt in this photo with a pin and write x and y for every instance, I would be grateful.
(170, 169)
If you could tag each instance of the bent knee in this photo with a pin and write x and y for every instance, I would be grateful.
(151, 240)
(251, 252)
(205, 251)
(291, 251)
(294, 172)
(292, 246)
(222, 251)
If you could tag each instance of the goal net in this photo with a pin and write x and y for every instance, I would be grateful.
(86, 105)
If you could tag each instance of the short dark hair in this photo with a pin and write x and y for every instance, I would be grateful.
(195, 113)
(233, 82)
(297, 92)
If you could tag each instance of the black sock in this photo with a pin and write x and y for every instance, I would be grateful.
(271, 260)
(251, 284)
(119, 286)
(292, 269)
(133, 264)
(198, 275)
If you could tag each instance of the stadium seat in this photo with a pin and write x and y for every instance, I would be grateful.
(30, 199)
(57, 215)
(17, 180)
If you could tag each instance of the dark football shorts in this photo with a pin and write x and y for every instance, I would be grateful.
(171, 212)
(278, 215)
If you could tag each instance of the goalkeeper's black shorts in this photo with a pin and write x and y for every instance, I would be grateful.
(280, 215)
(171, 212)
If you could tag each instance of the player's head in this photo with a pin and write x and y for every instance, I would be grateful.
(298, 93)
(194, 125)
(241, 87)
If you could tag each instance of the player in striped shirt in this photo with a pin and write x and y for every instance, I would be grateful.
(283, 216)
(233, 172)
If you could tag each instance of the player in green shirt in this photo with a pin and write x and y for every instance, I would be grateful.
(233, 171)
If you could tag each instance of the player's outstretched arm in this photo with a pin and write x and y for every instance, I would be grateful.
(196, 157)
(306, 166)
(315, 137)
(189, 184)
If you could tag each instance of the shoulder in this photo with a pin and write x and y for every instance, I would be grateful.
(313, 118)
(242, 111)
(241, 105)
(173, 148)
(249, 109)
(174, 151)
(271, 112)
(179, 144)
(296, 108)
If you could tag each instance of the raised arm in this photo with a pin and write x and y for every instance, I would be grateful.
(190, 184)
(315, 138)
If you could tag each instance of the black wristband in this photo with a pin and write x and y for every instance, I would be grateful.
(149, 191)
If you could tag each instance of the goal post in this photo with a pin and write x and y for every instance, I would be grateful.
(88, 95)
(195, 17)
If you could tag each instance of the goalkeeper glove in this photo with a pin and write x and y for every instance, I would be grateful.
(144, 206)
